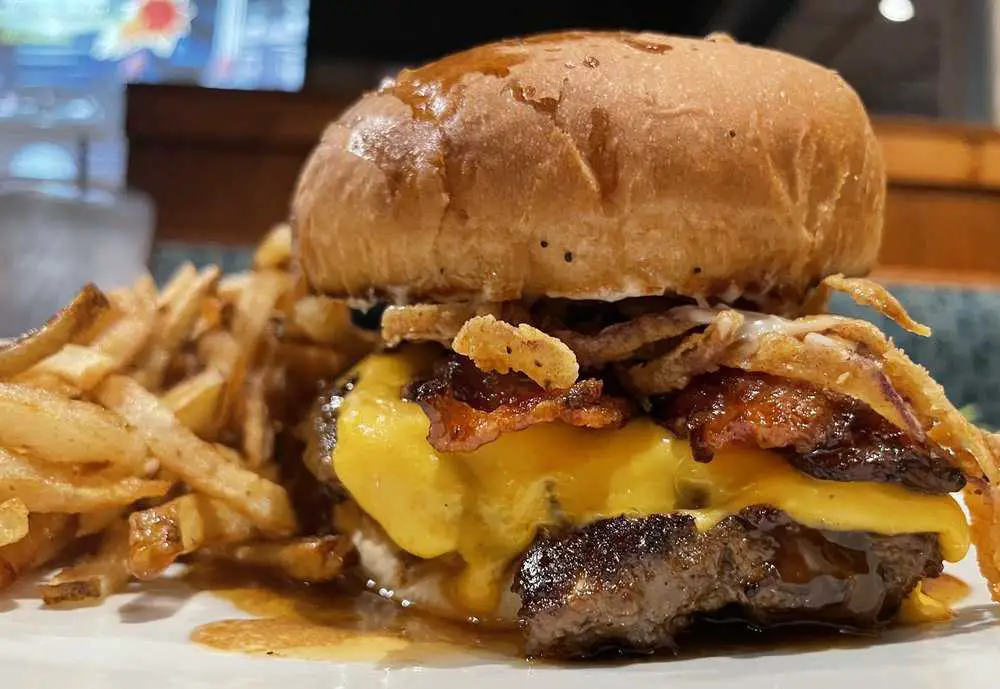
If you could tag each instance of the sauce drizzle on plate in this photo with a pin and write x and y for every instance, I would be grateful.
(341, 622)
(348, 622)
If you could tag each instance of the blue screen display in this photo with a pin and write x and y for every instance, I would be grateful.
(64, 64)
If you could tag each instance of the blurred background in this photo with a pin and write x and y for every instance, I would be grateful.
(65, 64)
(140, 133)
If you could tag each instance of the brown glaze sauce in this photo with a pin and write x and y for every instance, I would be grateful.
(646, 46)
(838, 573)
(340, 622)
(346, 622)
(432, 91)
(526, 94)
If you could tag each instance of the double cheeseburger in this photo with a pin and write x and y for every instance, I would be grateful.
(608, 401)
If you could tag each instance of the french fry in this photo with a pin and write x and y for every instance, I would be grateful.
(215, 314)
(275, 250)
(95, 522)
(182, 312)
(255, 307)
(311, 363)
(229, 454)
(72, 468)
(96, 576)
(270, 470)
(144, 288)
(151, 368)
(298, 288)
(160, 535)
(66, 431)
(179, 314)
(81, 367)
(125, 339)
(312, 559)
(13, 521)
(198, 463)
(49, 382)
(178, 283)
(258, 433)
(47, 535)
(231, 286)
(53, 488)
(26, 351)
(195, 401)
(104, 320)
(220, 351)
(323, 320)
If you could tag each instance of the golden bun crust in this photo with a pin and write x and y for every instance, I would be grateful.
(594, 166)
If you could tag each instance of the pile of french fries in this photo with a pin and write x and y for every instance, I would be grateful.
(138, 428)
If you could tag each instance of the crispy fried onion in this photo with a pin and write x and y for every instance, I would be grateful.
(469, 408)
(499, 346)
(834, 362)
(430, 322)
(843, 355)
(983, 501)
(622, 340)
(697, 353)
(870, 293)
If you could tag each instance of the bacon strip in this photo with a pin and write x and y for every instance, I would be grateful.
(824, 434)
(469, 408)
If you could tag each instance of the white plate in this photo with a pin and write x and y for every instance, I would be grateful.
(139, 640)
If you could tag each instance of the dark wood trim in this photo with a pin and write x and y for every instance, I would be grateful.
(930, 153)
(219, 117)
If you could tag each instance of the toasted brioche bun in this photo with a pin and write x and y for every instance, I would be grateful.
(594, 166)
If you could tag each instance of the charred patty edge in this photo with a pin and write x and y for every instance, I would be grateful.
(632, 584)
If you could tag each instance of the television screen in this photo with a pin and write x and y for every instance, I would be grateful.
(246, 44)
(64, 64)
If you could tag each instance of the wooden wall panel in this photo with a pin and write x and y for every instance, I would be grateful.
(221, 165)
(261, 119)
(215, 195)
(943, 210)
(950, 229)
(937, 154)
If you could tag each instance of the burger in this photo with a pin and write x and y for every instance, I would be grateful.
(608, 401)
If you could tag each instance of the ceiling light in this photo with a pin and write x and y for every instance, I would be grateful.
(896, 10)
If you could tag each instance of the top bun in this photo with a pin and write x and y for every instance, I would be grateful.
(594, 166)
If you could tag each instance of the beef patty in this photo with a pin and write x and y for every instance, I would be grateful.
(822, 434)
(631, 584)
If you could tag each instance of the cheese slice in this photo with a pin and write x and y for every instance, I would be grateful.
(487, 506)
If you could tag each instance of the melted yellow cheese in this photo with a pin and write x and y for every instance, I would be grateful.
(487, 505)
